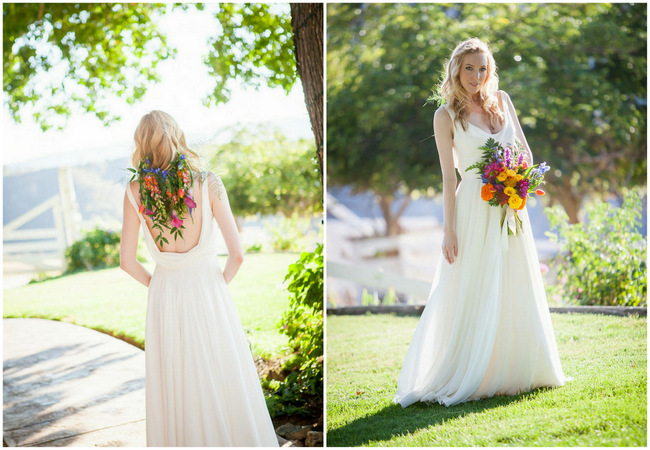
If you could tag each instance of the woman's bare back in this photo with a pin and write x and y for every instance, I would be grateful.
(192, 225)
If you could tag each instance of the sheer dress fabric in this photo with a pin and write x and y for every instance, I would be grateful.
(202, 388)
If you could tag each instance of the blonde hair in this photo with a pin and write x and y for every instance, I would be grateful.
(158, 138)
(455, 95)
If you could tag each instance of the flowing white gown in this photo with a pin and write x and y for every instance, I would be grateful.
(202, 388)
(486, 329)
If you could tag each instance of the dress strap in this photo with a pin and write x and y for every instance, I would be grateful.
(205, 198)
(451, 112)
(129, 193)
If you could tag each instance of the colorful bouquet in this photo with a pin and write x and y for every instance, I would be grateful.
(166, 195)
(507, 180)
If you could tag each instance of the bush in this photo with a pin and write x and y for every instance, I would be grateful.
(602, 262)
(301, 392)
(98, 249)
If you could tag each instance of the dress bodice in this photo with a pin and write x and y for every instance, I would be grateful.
(207, 239)
(467, 142)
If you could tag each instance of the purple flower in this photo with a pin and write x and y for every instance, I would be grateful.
(543, 168)
(499, 187)
(521, 159)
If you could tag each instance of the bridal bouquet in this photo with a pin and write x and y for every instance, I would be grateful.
(166, 195)
(507, 180)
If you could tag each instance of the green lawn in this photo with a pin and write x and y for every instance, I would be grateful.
(605, 404)
(110, 300)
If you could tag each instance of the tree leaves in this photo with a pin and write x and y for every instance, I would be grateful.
(89, 51)
(255, 46)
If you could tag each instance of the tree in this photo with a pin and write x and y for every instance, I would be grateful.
(381, 62)
(264, 43)
(576, 74)
(266, 173)
(89, 51)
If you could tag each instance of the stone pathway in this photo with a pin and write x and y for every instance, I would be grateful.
(66, 385)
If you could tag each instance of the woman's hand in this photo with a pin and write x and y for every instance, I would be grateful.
(450, 246)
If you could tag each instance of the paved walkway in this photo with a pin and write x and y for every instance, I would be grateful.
(66, 385)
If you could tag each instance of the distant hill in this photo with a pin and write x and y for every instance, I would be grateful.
(99, 189)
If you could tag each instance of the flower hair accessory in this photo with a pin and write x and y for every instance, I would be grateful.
(166, 195)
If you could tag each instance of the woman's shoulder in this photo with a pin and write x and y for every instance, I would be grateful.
(215, 185)
(444, 112)
(504, 95)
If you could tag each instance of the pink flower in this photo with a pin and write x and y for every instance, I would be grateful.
(189, 202)
(175, 220)
(149, 212)
(141, 209)
(543, 268)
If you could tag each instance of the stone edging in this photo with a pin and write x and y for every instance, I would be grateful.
(416, 310)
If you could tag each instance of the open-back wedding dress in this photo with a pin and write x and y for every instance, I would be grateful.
(202, 388)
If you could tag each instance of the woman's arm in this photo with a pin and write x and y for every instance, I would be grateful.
(223, 214)
(442, 127)
(129, 244)
(528, 155)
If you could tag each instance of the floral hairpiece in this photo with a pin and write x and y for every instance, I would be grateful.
(166, 195)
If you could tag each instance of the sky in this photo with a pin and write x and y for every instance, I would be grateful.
(184, 84)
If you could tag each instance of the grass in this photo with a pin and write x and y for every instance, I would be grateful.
(111, 301)
(605, 404)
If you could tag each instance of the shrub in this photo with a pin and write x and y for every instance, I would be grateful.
(602, 262)
(98, 249)
(301, 392)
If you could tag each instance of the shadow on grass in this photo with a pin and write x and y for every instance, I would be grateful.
(393, 420)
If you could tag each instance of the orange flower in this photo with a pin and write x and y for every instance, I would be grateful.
(523, 203)
(141, 209)
(539, 192)
(487, 192)
(181, 192)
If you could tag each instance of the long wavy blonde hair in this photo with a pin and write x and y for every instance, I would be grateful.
(158, 138)
(455, 95)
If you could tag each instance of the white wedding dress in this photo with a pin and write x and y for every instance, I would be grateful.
(202, 389)
(486, 329)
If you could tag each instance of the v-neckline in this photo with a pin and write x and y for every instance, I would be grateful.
(505, 123)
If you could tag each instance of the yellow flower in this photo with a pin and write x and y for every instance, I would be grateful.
(511, 182)
(520, 177)
(515, 201)
(509, 191)
(511, 173)
(502, 176)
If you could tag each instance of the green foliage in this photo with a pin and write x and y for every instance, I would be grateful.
(576, 74)
(89, 52)
(255, 45)
(602, 262)
(265, 173)
(254, 248)
(97, 250)
(301, 392)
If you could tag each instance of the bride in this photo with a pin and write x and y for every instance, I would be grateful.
(486, 329)
(202, 388)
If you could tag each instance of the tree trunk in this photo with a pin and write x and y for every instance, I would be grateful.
(307, 25)
(569, 200)
(393, 228)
